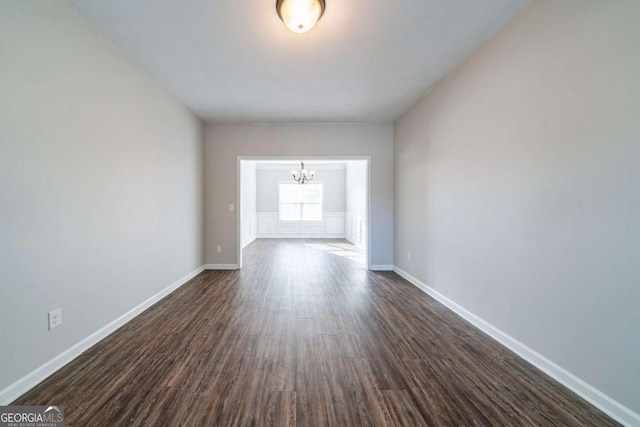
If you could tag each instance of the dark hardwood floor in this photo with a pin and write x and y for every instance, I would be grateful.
(304, 335)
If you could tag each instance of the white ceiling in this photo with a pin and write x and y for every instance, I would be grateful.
(235, 61)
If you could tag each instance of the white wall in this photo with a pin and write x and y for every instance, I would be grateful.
(101, 180)
(517, 188)
(248, 191)
(225, 143)
(356, 203)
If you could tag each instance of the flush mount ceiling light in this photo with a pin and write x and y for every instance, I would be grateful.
(300, 15)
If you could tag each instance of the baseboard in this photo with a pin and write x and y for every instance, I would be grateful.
(35, 377)
(606, 404)
(221, 266)
(381, 267)
(358, 245)
(248, 242)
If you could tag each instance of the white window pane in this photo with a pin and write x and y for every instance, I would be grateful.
(318, 191)
(289, 193)
(312, 193)
(312, 212)
(300, 202)
(289, 212)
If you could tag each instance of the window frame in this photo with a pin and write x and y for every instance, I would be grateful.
(301, 204)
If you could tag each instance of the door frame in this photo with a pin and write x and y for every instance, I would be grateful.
(367, 160)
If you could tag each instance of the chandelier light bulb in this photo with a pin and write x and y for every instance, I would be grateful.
(300, 16)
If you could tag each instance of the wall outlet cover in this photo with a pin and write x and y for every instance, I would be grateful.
(55, 318)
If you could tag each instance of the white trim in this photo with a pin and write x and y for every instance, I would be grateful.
(301, 236)
(238, 218)
(221, 266)
(35, 377)
(350, 240)
(614, 409)
(381, 267)
(311, 165)
(368, 218)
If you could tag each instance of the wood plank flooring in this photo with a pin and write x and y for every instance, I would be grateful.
(304, 336)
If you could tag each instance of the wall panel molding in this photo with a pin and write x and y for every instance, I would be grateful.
(249, 229)
(331, 227)
(354, 229)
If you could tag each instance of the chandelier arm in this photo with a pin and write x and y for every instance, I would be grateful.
(302, 177)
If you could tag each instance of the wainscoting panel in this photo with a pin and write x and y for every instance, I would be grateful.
(314, 229)
(355, 229)
(334, 223)
(288, 228)
(348, 226)
(267, 224)
(331, 227)
(249, 229)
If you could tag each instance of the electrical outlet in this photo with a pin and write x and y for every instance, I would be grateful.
(219, 248)
(409, 256)
(55, 318)
(231, 208)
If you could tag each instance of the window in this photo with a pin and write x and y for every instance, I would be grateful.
(301, 202)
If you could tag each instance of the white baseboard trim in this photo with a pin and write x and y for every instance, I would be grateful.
(35, 377)
(246, 243)
(221, 266)
(611, 407)
(381, 267)
(355, 243)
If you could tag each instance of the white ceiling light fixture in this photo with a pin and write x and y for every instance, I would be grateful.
(303, 176)
(300, 16)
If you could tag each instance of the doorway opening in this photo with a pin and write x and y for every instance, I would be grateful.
(334, 206)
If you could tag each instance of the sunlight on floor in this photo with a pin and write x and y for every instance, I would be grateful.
(341, 249)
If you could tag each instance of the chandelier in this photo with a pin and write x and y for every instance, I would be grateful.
(302, 176)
